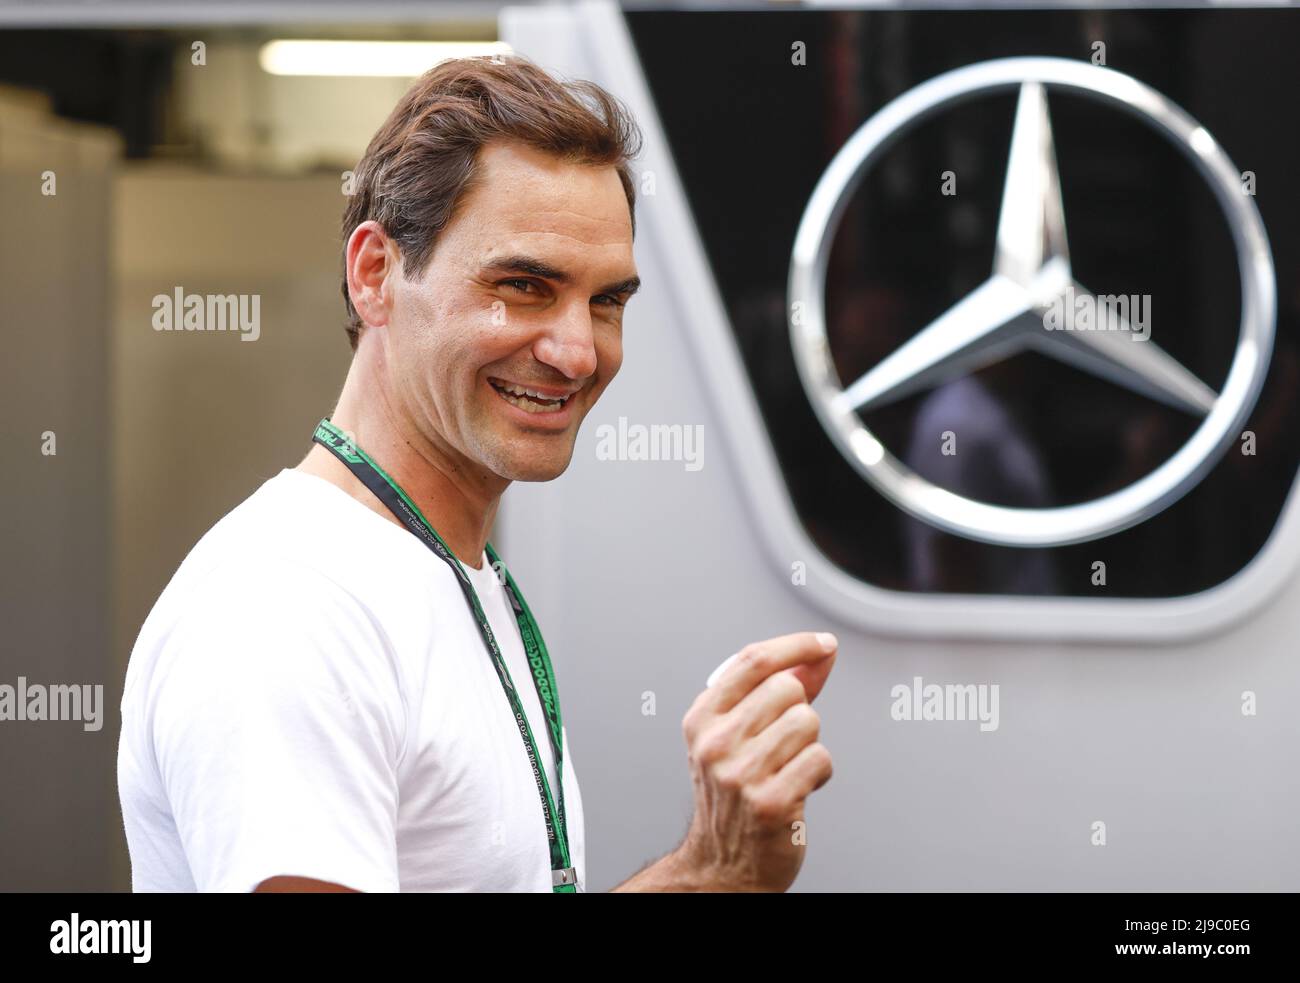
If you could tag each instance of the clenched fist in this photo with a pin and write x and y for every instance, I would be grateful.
(752, 743)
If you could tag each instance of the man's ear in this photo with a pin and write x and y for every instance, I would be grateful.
(372, 260)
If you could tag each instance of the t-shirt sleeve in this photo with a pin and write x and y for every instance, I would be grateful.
(277, 724)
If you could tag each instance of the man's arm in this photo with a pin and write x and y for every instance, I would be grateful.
(670, 873)
(300, 885)
(276, 727)
(752, 744)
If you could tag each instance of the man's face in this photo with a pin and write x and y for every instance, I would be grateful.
(524, 291)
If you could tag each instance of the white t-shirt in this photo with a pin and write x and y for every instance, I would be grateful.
(311, 696)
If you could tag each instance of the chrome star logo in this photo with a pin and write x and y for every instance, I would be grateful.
(1031, 300)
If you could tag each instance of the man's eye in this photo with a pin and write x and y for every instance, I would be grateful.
(607, 300)
(520, 285)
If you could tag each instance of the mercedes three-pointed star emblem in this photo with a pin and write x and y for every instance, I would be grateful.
(1008, 313)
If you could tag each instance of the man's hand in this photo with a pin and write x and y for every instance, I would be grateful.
(752, 744)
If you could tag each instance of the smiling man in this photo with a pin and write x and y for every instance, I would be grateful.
(342, 688)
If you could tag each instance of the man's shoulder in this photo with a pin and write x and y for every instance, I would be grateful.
(296, 581)
(302, 521)
(298, 546)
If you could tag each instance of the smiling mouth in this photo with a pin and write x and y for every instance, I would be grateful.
(529, 400)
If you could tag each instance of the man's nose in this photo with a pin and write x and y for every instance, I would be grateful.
(568, 344)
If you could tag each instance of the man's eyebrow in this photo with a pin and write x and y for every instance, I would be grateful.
(629, 286)
(526, 264)
(535, 267)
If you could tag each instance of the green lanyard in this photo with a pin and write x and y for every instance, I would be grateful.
(564, 875)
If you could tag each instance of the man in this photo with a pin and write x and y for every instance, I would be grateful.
(324, 697)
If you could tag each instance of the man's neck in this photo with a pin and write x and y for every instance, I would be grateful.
(459, 501)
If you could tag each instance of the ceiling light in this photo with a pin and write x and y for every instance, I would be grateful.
(373, 58)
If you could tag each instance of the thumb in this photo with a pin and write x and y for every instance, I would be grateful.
(813, 675)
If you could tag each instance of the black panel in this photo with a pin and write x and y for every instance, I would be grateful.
(752, 133)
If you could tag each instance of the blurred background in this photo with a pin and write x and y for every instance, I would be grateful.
(150, 147)
(174, 166)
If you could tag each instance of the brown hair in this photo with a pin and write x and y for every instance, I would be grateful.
(422, 161)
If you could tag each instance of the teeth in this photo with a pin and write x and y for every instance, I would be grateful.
(521, 391)
(527, 399)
